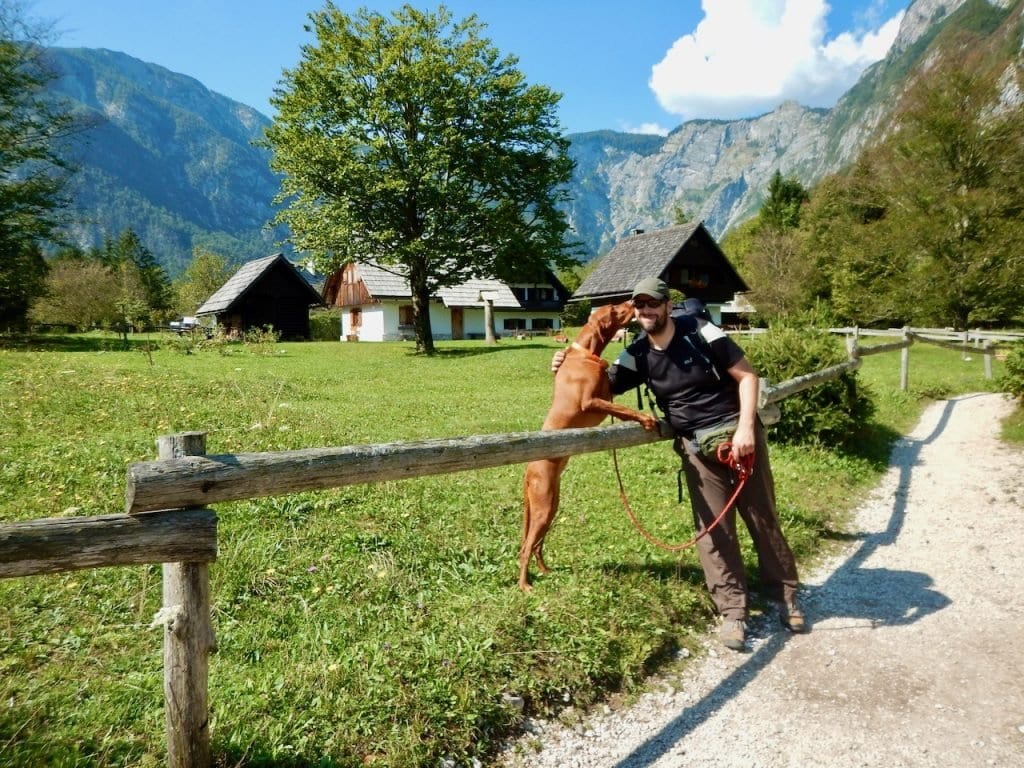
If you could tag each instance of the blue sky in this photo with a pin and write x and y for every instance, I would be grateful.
(626, 65)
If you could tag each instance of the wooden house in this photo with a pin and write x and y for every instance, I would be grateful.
(377, 306)
(265, 292)
(685, 256)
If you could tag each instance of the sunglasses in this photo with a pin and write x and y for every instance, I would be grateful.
(649, 304)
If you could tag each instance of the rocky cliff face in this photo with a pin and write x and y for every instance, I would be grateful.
(718, 171)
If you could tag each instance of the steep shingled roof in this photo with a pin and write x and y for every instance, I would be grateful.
(243, 279)
(382, 284)
(680, 255)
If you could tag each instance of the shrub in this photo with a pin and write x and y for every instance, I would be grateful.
(826, 414)
(325, 325)
(261, 341)
(195, 340)
(1011, 380)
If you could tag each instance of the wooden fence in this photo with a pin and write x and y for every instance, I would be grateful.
(166, 519)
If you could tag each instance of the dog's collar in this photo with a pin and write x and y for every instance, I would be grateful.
(590, 355)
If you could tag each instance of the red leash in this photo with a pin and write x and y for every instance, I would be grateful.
(743, 468)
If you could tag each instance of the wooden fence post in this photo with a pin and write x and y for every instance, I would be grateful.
(851, 344)
(905, 362)
(188, 639)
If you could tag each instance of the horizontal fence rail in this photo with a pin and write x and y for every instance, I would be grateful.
(878, 349)
(57, 544)
(939, 334)
(198, 480)
(770, 394)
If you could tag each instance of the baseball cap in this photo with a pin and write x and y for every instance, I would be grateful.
(653, 287)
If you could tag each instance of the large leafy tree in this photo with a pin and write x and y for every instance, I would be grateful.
(127, 253)
(769, 251)
(926, 227)
(851, 242)
(957, 188)
(81, 293)
(410, 142)
(206, 273)
(32, 168)
(786, 198)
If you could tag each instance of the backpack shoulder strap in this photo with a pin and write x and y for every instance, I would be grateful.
(639, 349)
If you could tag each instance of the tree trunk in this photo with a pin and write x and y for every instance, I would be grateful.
(421, 311)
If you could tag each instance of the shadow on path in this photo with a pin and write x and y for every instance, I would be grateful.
(881, 597)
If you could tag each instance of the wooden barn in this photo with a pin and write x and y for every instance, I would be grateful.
(685, 256)
(265, 292)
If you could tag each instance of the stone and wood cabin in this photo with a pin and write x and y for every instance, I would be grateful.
(685, 256)
(264, 292)
(376, 305)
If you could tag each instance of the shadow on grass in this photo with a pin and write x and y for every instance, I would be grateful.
(455, 353)
(75, 343)
(255, 757)
(686, 572)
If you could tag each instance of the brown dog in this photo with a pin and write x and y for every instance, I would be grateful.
(583, 397)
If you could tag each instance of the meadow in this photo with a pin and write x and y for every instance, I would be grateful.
(375, 624)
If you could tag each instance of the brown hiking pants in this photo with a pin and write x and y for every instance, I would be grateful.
(711, 484)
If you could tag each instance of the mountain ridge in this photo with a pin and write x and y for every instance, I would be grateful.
(166, 156)
(176, 161)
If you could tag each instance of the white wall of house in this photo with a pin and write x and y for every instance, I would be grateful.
(441, 321)
(379, 322)
(374, 319)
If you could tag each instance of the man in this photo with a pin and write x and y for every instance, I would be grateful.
(708, 391)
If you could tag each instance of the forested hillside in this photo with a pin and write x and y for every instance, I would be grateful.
(166, 157)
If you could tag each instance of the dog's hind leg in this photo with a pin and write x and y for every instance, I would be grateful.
(540, 503)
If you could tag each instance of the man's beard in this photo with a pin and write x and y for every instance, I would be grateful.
(657, 324)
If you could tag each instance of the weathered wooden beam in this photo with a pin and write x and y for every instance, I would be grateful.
(877, 349)
(962, 347)
(789, 387)
(191, 481)
(52, 545)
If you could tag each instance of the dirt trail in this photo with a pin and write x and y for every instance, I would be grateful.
(916, 653)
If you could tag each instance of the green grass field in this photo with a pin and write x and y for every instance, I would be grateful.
(373, 624)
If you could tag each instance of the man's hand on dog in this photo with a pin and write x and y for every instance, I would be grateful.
(557, 360)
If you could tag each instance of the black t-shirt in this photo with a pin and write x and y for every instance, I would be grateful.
(689, 379)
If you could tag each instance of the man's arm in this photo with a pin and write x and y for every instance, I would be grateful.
(749, 385)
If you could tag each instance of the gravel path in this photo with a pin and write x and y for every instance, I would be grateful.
(916, 652)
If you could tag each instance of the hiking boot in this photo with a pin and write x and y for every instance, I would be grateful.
(792, 617)
(733, 634)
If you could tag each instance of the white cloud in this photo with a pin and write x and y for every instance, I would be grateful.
(748, 56)
(649, 128)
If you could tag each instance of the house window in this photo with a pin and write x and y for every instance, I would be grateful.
(542, 323)
(533, 293)
(514, 324)
(405, 315)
